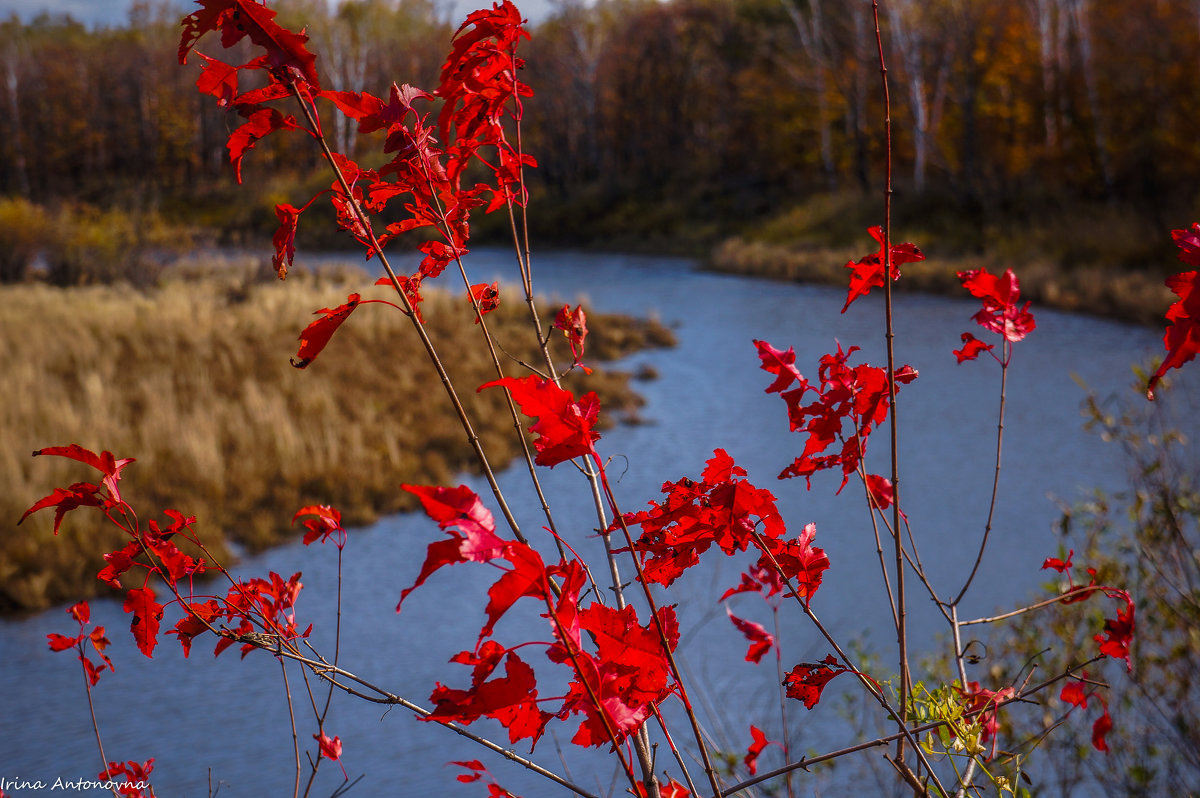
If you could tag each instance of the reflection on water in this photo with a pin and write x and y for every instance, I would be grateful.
(232, 716)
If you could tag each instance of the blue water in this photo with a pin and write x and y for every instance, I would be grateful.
(225, 721)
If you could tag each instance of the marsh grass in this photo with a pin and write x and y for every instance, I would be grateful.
(192, 378)
(1092, 258)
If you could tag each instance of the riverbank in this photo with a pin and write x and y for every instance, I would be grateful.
(192, 378)
(1134, 296)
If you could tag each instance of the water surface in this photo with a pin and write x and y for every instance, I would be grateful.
(231, 715)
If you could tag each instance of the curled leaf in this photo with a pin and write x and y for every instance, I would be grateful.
(315, 336)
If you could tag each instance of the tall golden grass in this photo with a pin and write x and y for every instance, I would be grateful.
(192, 378)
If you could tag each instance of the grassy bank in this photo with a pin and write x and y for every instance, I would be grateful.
(192, 378)
(1099, 260)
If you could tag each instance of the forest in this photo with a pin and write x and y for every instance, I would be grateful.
(1057, 128)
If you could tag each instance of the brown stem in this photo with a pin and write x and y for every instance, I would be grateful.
(871, 687)
(422, 333)
(808, 761)
(662, 634)
(287, 689)
(987, 529)
(87, 685)
(323, 669)
(901, 609)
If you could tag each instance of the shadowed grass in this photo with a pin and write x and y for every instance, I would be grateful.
(192, 378)
(1091, 259)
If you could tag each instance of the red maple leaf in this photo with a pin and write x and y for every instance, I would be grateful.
(867, 273)
(807, 680)
(722, 509)
(760, 640)
(286, 55)
(331, 748)
(757, 746)
(799, 560)
(146, 616)
(1118, 633)
(1075, 692)
(326, 522)
(564, 426)
(781, 364)
(1000, 295)
(285, 238)
(1100, 729)
(1062, 566)
(316, 335)
(1182, 337)
(485, 297)
(972, 348)
(573, 324)
(260, 123)
(1188, 241)
(137, 777)
(218, 79)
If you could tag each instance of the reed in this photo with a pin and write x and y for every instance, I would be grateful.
(192, 377)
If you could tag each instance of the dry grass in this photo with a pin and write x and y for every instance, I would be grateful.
(192, 378)
(1104, 291)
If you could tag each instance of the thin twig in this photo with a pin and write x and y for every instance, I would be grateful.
(901, 609)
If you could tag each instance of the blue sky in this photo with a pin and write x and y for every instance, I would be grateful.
(113, 12)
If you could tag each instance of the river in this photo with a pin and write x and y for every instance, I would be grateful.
(224, 722)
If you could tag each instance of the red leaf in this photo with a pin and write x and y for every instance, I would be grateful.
(331, 748)
(1000, 296)
(193, 623)
(867, 273)
(485, 297)
(972, 348)
(1188, 241)
(80, 611)
(62, 642)
(218, 79)
(760, 742)
(328, 521)
(527, 578)
(1058, 565)
(781, 364)
(315, 336)
(470, 525)
(1182, 337)
(1075, 692)
(119, 562)
(1100, 730)
(146, 615)
(260, 122)
(474, 765)
(673, 789)
(236, 19)
(564, 427)
(64, 500)
(573, 324)
(800, 561)
(881, 491)
(806, 681)
(354, 105)
(104, 462)
(760, 640)
(285, 238)
(1118, 634)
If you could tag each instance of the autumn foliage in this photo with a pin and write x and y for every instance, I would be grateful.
(612, 651)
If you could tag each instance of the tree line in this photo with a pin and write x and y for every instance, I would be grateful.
(727, 105)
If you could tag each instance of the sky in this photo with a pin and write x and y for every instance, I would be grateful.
(114, 12)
